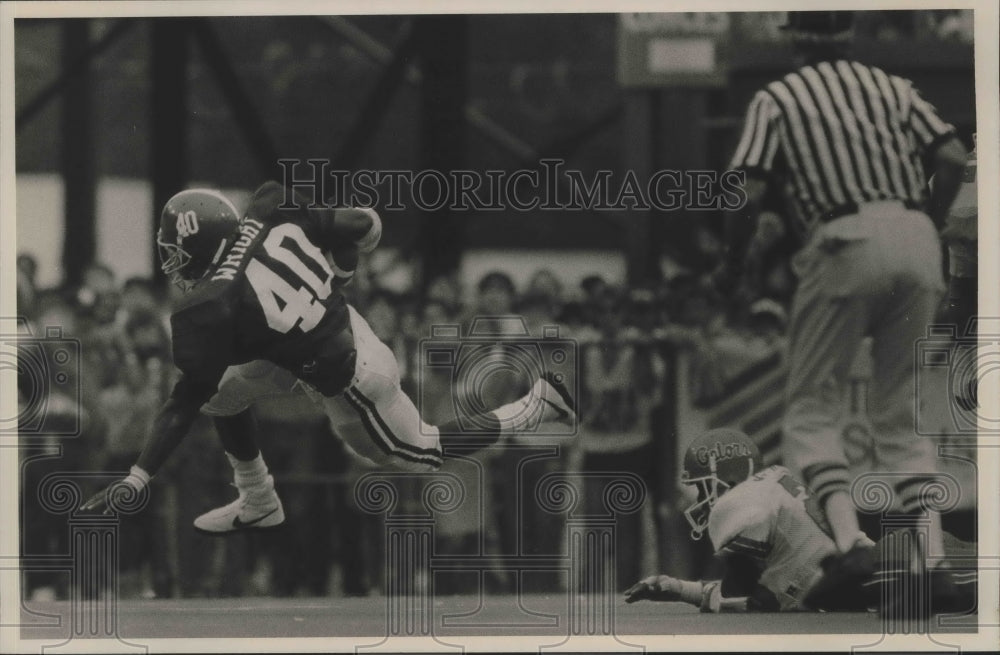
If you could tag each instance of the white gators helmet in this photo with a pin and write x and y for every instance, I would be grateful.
(714, 463)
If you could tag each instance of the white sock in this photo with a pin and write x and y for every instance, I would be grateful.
(515, 416)
(252, 477)
(935, 540)
(843, 518)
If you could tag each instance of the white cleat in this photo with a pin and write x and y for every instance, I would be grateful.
(557, 403)
(241, 515)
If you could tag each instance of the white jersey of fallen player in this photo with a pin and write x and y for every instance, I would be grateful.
(773, 518)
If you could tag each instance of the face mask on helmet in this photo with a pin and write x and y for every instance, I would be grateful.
(709, 489)
(176, 264)
(173, 258)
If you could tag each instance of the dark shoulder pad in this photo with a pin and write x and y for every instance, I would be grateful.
(273, 204)
(266, 201)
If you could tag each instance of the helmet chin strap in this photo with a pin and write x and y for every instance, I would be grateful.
(181, 282)
(186, 284)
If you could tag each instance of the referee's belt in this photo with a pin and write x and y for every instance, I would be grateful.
(853, 208)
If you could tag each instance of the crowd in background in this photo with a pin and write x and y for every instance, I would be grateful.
(623, 338)
(628, 346)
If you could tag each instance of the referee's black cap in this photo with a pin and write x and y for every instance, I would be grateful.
(829, 24)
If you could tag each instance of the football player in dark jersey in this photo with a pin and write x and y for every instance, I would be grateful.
(263, 314)
(777, 546)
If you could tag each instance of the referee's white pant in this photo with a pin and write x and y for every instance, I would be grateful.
(373, 416)
(878, 273)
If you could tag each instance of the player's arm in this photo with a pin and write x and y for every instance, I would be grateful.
(202, 341)
(335, 228)
(343, 263)
(174, 420)
(949, 170)
(938, 141)
(741, 224)
(742, 580)
(357, 226)
(741, 528)
(705, 595)
(170, 427)
(201, 349)
(738, 591)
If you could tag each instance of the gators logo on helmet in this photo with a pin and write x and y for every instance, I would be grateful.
(715, 462)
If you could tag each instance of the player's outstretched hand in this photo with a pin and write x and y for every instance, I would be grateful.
(100, 502)
(655, 587)
(127, 494)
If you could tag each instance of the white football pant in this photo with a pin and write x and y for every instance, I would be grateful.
(373, 416)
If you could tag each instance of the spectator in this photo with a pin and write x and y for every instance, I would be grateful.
(538, 311)
(767, 324)
(27, 265)
(27, 287)
(545, 283)
(496, 294)
(459, 532)
(496, 297)
(97, 279)
(621, 385)
(139, 295)
(594, 288)
(436, 312)
(545, 529)
(573, 318)
(384, 317)
(446, 291)
(643, 314)
(130, 402)
(62, 411)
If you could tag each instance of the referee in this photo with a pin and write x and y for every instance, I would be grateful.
(846, 142)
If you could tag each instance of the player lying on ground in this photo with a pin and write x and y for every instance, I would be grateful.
(261, 296)
(777, 547)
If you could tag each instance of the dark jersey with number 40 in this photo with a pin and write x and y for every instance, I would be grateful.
(272, 296)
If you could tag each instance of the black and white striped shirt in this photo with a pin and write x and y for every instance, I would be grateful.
(840, 133)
